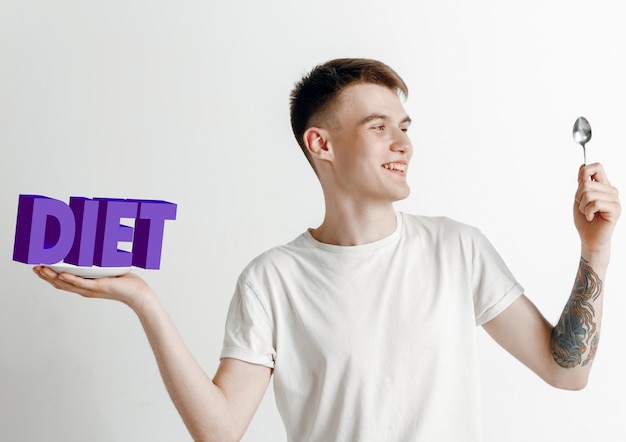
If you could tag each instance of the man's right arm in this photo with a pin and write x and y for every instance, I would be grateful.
(213, 410)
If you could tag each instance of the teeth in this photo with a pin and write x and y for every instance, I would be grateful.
(395, 166)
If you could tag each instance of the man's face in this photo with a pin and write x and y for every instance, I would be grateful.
(370, 143)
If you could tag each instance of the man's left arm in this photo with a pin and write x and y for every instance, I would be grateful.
(562, 355)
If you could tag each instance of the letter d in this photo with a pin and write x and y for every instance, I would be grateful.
(44, 230)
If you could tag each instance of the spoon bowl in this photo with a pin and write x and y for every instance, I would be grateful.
(582, 133)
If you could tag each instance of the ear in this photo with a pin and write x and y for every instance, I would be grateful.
(317, 142)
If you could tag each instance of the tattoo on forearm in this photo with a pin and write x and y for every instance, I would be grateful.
(576, 330)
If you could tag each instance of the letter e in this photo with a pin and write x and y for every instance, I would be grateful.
(109, 232)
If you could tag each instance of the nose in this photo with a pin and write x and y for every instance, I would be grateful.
(402, 143)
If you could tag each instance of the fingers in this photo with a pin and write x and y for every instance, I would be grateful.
(129, 289)
(593, 172)
(606, 209)
(66, 281)
(595, 195)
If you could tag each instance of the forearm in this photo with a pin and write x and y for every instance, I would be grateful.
(213, 410)
(563, 355)
(575, 338)
(201, 404)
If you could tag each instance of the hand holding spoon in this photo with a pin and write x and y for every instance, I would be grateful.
(582, 133)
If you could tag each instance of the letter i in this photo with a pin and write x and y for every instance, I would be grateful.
(86, 216)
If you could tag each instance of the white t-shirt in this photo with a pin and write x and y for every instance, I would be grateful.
(375, 342)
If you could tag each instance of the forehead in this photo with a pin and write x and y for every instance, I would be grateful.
(359, 100)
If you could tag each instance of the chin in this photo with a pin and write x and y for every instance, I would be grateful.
(406, 193)
(402, 195)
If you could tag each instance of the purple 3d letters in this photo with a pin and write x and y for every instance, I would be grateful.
(87, 231)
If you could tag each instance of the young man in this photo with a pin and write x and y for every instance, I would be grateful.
(368, 321)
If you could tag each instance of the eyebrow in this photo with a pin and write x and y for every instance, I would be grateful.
(371, 117)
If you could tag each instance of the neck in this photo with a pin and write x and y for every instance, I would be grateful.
(354, 224)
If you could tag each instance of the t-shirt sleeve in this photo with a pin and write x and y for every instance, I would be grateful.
(494, 286)
(248, 333)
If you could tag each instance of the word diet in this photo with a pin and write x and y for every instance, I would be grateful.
(87, 231)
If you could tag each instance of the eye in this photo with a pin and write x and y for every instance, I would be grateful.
(379, 127)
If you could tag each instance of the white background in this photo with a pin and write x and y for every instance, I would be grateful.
(188, 102)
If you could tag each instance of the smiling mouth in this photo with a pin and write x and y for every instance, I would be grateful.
(396, 167)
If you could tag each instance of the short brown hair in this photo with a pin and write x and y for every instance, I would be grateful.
(318, 91)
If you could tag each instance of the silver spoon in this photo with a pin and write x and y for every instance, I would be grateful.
(582, 133)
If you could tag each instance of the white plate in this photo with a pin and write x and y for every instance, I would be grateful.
(88, 272)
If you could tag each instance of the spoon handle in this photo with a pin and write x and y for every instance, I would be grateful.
(585, 154)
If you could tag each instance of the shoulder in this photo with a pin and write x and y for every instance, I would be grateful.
(438, 227)
(277, 258)
(444, 236)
